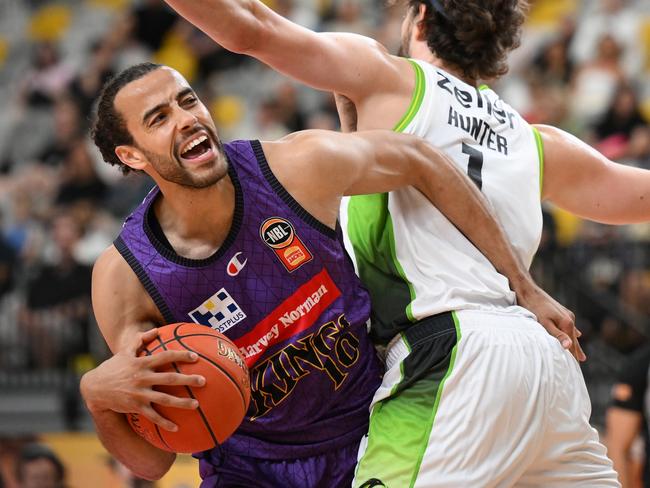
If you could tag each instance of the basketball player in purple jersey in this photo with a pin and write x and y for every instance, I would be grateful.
(243, 237)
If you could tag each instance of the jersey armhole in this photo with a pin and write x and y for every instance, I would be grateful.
(286, 197)
(540, 153)
(416, 100)
(142, 275)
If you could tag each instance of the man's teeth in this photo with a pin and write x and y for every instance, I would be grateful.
(195, 143)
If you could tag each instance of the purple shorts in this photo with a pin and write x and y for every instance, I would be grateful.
(332, 470)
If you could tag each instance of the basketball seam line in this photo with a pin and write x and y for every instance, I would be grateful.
(189, 390)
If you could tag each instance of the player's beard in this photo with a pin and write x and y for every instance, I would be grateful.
(171, 168)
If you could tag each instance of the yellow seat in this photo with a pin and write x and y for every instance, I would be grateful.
(551, 12)
(116, 5)
(4, 51)
(227, 111)
(50, 22)
(176, 54)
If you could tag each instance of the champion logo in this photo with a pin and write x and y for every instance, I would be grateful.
(235, 265)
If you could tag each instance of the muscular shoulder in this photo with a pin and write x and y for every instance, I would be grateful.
(119, 300)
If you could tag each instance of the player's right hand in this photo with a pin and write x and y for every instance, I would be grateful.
(558, 320)
(125, 383)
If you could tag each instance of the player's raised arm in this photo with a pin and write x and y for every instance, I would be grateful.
(339, 62)
(323, 165)
(124, 383)
(579, 179)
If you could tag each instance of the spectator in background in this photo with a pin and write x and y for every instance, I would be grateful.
(619, 19)
(56, 315)
(67, 130)
(39, 467)
(86, 85)
(595, 82)
(289, 110)
(553, 66)
(622, 133)
(47, 79)
(7, 267)
(79, 179)
(627, 418)
(150, 21)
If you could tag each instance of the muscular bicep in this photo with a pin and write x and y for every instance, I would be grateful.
(579, 179)
(345, 63)
(121, 305)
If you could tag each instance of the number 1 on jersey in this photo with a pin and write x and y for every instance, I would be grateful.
(475, 166)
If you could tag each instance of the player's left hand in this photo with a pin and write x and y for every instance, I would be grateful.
(558, 320)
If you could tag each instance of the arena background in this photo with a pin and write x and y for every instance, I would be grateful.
(583, 66)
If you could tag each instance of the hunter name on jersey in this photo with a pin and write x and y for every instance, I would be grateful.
(477, 127)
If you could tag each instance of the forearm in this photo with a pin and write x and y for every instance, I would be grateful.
(115, 433)
(234, 24)
(582, 181)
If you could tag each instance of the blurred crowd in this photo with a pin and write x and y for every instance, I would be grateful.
(583, 66)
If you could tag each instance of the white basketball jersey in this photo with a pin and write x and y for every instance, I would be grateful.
(413, 260)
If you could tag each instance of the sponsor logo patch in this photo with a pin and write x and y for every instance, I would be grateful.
(280, 236)
(220, 312)
(296, 314)
(235, 265)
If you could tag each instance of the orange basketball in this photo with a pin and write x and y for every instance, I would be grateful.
(223, 400)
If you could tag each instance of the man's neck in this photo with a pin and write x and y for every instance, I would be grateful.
(196, 221)
(420, 50)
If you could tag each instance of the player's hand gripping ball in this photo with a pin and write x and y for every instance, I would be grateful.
(223, 400)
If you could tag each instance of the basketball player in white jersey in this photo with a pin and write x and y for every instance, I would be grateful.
(476, 394)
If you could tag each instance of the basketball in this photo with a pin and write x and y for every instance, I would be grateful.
(223, 400)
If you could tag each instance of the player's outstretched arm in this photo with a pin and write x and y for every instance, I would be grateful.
(579, 179)
(350, 64)
(124, 383)
(322, 166)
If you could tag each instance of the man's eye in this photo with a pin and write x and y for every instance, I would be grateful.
(158, 118)
(189, 101)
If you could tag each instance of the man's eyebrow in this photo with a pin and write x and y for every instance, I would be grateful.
(183, 93)
(152, 111)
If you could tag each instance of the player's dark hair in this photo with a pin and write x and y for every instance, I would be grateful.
(34, 452)
(109, 128)
(474, 36)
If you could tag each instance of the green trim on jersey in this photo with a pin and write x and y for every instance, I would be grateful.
(540, 153)
(400, 425)
(416, 101)
(483, 87)
(370, 228)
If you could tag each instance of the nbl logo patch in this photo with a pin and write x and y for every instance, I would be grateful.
(280, 236)
(220, 312)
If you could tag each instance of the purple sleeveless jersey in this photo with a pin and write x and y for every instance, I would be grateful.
(284, 290)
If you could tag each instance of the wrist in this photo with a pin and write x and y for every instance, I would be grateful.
(523, 285)
(87, 388)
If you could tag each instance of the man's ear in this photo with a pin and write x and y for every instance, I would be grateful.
(418, 23)
(132, 157)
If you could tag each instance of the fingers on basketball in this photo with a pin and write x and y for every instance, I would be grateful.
(222, 401)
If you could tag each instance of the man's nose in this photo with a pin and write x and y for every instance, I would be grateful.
(186, 120)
